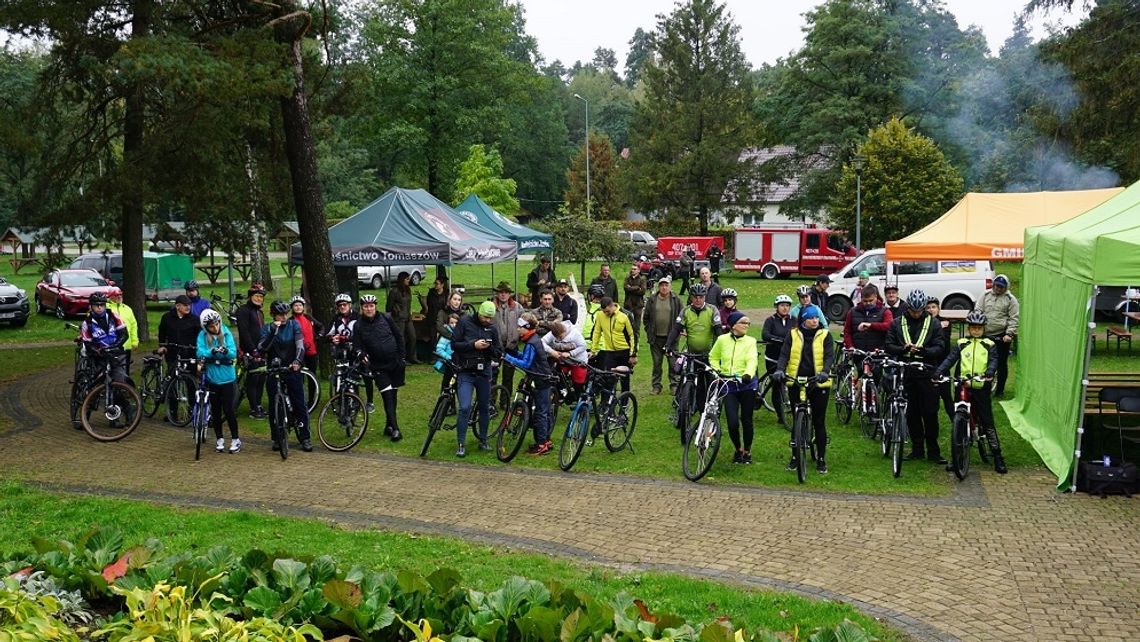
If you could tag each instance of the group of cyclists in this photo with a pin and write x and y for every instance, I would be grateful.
(795, 348)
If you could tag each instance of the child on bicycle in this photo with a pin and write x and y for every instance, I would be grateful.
(217, 351)
(734, 355)
(977, 355)
(533, 358)
(564, 342)
(809, 352)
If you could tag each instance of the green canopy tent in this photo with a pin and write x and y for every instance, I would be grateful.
(1064, 264)
(528, 241)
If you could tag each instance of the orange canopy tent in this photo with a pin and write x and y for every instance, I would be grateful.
(992, 226)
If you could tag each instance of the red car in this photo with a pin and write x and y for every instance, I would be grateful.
(66, 291)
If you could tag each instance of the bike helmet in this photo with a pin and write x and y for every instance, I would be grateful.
(114, 292)
(98, 298)
(596, 290)
(783, 298)
(976, 317)
(700, 289)
(210, 316)
(367, 298)
(191, 285)
(803, 290)
(279, 307)
(486, 309)
(916, 299)
(297, 298)
(255, 289)
(728, 293)
(342, 298)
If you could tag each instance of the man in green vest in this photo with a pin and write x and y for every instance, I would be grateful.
(809, 352)
(976, 355)
(916, 337)
(700, 321)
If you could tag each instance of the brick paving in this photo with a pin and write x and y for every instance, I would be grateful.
(1003, 558)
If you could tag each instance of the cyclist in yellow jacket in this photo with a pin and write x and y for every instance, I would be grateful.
(735, 355)
(809, 352)
(977, 355)
(614, 341)
(123, 311)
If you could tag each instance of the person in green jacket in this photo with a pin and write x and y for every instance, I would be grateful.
(123, 311)
(734, 355)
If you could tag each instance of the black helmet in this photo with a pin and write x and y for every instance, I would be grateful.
(976, 317)
(596, 290)
(699, 289)
(99, 298)
(191, 285)
(279, 307)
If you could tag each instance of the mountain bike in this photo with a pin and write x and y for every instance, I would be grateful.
(864, 393)
(200, 413)
(344, 418)
(111, 409)
(447, 405)
(702, 439)
(283, 417)
(803, 433)
(512, 429)
(309, 381)
(964, 428)
(685, 401)
(895, 434)
(82, 379)
(615, 415)
(845, 380)
(176, 388)
(227, 309)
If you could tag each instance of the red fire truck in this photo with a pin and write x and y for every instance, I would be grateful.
(779, 252)
(674, 246)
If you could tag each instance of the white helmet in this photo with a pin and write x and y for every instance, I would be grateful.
(210, 316)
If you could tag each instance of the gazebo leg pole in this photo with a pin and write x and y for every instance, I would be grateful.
(532, 304)
(1084, 390)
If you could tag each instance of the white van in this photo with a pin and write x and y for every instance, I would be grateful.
(957, 284)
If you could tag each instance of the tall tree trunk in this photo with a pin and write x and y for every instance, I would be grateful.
(259, 252)
(132, 205)
(704, 219)
(299, 149)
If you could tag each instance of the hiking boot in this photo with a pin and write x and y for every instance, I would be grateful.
(738, 457)
(999, 464)
(461, 451)
(792, 465)
(235, 445)
(306, 445)
(220, 446)
(821, 467)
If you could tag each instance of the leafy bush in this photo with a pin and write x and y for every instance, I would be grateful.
(257, 596)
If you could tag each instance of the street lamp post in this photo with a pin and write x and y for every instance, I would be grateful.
(858, 162)
(579, 97)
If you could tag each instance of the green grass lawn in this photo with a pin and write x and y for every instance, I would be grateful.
(33, 513)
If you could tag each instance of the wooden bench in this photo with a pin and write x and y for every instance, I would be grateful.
(1119, 334)
(1099, 381)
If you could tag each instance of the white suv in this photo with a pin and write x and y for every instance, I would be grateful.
(373, 275)
(957, 284)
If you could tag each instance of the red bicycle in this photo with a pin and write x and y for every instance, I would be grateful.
(964, 428)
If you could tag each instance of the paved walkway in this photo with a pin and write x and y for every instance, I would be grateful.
(1004, 558)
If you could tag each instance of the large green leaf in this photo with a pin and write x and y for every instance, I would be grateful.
(322, 570)
(255, 559)
(342, 594)
(574, 627)
(410, 582)
(311, 603)
(263, 600)
(540, 624)
(508, 599)
(846, 631)
(717, 631)
(444, 579)
(291, 574)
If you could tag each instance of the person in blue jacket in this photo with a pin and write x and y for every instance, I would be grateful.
(216, 353)
(198, 304)
(533, 359)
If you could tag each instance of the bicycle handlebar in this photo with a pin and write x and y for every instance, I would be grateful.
(615, 371)
(945, 378)
(892, 363)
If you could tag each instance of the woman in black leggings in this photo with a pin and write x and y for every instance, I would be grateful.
(217, 351)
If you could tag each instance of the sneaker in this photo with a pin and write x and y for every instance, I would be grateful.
(533, 449)
(461, 451)
(371, 407)
(306, 445)
(220, 446)
(792, 465)
(276, 446)
(656, 390)
(235, 445)
(388, 430)
(396, 435)
(544, 447)
(746, 458)
(821, 467)
(738, 457)
(999, 465)
(938, 459)
(258, 413)
(483, 445)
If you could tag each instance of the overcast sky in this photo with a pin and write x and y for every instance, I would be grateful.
(769, 29)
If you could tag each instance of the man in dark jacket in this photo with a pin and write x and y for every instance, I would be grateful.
(609, 285)
(868, 322)
(660, 311)
(178, 327)
(917, 337)
(714, 255)
(819, 292)
(635, 290)
(564, 302)
(250, 320)
(475, 344)
(378, 335)
(540, 278)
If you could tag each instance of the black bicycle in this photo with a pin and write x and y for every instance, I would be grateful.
(686, 402)
(111, 409)
(803, 435)
(81, 380)
(447, 405)
(344, 418)
(512, 429)
(175, 388)
(200, 413)
(284, 417)
(615, 415)
(895, 434)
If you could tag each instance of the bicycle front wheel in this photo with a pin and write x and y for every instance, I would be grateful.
(179, 398)
(960, 445)
(512, 431)
(438, 415)
(312, 390)
(800, 445)
(701, 447)
(684, 410)
(111, 419)
(150, 390)
(343, 422)
(843, 399)
(621, 421)
(576, 432)
(201, 414)
(898, 441)
(281, 420)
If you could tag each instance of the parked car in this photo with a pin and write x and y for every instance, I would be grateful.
(642, 241)
(65, 292)
(373, 275)
(108, 264)
(165, 275)
(957, 284)
(13, 304)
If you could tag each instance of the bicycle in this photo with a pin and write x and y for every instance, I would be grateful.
(512, 430)
(859, 390)
(803, 433)
(175, 388)
(764, 387)
(200, 413)
(895, 434)
(228, 309)
(117, 402)
(447, 405)
(282, 408)
(346, 407)
(309, 380)
(685, 401)
(615, 414)
(964, 427)
(703, 438)
(845, 380)
(81, 380)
